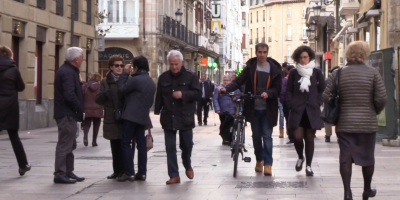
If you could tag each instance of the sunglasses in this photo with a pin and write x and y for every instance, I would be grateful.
(121, 65)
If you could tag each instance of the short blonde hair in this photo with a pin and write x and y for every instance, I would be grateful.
(5, 51)
(357, 52)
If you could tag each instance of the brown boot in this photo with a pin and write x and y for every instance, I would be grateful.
(173, 180)
(281, 133)
(259, 166)
(267, 170)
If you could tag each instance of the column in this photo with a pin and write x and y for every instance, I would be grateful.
(121, 11)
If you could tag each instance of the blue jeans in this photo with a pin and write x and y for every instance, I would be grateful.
(262, 140)
(185, 144)
(131, 131)
(281, 115)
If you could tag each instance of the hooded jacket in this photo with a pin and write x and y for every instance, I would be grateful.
(273, 89)
(91, 108)
(10, 84)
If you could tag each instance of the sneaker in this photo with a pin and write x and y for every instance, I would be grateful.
(22, 171)
(327, 139)
(259, 166)
(299, 164)
(267, 170)
(309, 171)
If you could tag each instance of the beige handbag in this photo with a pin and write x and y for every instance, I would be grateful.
(149, 141)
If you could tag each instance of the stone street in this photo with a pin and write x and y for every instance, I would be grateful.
(212, 165)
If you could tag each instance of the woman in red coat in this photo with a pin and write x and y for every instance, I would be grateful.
(93, 111)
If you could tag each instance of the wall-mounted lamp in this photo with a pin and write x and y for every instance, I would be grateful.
(17, 28)
(178, 15)
(88, 44)
(212, 37)
(59, 38)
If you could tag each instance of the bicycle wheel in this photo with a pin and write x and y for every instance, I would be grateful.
(236, 148)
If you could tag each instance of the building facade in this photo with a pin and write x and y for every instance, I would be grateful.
(39, 32)
(279, 23)
(245, 30)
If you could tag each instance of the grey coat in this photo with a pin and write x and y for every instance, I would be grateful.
(362, 97)
(299, 101)
(139, 91)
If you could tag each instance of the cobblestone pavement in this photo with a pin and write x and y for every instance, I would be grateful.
(212, 165)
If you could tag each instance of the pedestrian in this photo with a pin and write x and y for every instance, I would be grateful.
(93, 111)
(207, 89)
(225, 107)
(262, 76)
(305, 86)
(89, 76)
(361, 100)
(282, 99)
(139, 92)
(113, 102)
(177, 92)
(328, 127)
(10, 84)
(68, 110)
(280, 106)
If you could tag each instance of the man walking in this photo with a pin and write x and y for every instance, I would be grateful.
(177, 92)
(68, 110)
(207, 89)
(262, 76)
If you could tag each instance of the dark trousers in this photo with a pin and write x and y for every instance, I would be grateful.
(130, 132)
(225, 127)
(202, 104)
(185, 144)
(286, 114)
(64, 162)
(96, 126)
(117, 158)
(18, 148)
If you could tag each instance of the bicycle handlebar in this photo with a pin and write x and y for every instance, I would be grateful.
(242, 95)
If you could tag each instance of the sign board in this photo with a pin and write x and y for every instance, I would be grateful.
(216, 26)
(216, 10)
(187, 56)
(101, 43)
(108, 52)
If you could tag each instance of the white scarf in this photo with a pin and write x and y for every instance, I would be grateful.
(305, 72)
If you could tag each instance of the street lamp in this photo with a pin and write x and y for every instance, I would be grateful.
(212, 37)
(317, 10)
(308, 32)
(312, 25)
(178, 15)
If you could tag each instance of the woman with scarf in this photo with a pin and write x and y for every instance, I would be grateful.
(305, 86)
(109, 97)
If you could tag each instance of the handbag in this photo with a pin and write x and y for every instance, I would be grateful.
(330, 113)
(149, 141)
(117, 112)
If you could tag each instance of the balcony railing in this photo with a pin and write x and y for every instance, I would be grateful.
(244, 22)
(289, 37)
(177, 30)
(269, 39)
(287, 59)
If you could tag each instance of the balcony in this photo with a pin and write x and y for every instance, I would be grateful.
(171, 29)
(288, 37)
(269, 39)
(287, 59)
(206, 48)
(348, 7)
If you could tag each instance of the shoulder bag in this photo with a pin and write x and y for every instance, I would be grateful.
(149, 140)
(330, 113)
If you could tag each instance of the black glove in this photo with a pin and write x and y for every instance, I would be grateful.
(108, 94)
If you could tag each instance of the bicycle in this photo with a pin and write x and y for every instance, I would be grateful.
(238, 127)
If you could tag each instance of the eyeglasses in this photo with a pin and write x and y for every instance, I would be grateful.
(121, 65)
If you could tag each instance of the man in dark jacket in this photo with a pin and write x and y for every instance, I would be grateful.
(207, 89)
(139, 93)
(68, 110)
(262, 76)
(177, 92)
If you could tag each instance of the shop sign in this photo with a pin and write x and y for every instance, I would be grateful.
(108, 52)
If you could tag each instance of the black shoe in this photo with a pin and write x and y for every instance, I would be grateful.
(290, 142)
(125, 177)
(327, 139)
(112, 176)
(63, 179)
(75, 177)
(200, 124)
(244, 149)
(85, 142)
(94, 144)
(368, 194)
(139, 177)
(22, 171)
(348, 196)
(205, 123)
(309, 171)
(299, 164)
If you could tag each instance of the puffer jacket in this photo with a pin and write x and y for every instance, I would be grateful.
(91, 108)
(224, 103)
(361, 98)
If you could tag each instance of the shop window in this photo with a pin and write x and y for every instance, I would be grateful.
(38, 72)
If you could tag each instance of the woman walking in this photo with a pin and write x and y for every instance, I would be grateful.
(112, 101)
(10, 84)
(282, 100)
(361, 99)
(93, 111)
(305, 86)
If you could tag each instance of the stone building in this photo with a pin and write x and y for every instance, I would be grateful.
(39, 32)
(279, 23)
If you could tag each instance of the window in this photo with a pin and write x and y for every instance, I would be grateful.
(251, 33)
(38, 72)
(75, 10)
(257, 16)
(264, 15)
(289, 12)
(251, 18)
(289, 51)
(41, 4)
(263, 32)
(60, 7)
(304, 33)
(289, 32)
(304, 12)
(89, 12)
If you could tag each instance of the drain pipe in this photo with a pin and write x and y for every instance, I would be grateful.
(144, 20)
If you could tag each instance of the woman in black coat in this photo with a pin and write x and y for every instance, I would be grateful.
(10, 84)
(304, 90)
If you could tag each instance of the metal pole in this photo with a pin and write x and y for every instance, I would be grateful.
(338, 28)
(72, 23)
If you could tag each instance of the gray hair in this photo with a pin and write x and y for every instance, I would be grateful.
(175, 53)
(226, 76)
(72, 53)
